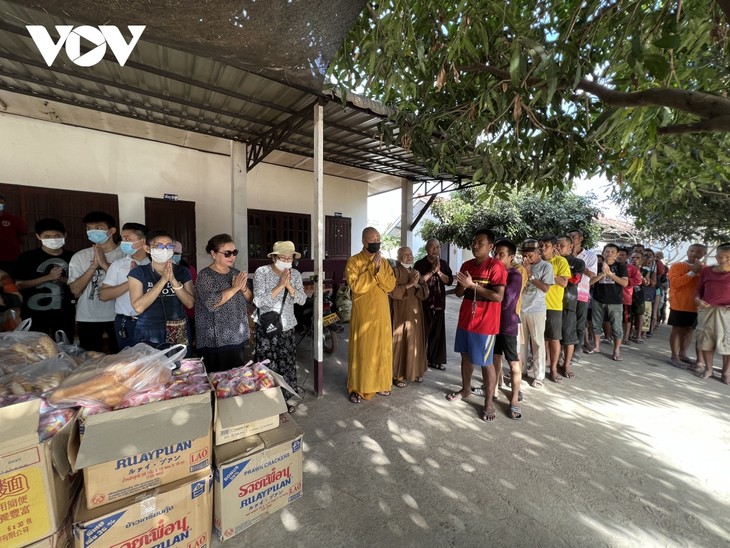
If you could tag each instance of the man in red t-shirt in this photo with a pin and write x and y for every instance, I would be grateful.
(481, 282)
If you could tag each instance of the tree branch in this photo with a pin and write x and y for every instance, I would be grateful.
(697, 103)
(720, 123)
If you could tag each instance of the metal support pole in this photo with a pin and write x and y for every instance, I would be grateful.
(318, 234)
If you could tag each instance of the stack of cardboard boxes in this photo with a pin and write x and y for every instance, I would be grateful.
(147, 472)
(258, 459)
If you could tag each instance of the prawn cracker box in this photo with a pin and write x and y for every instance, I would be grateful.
(176, 515)
(126, 476)
(252, 413)
(128, 432)
(256, 476)
(34, 498)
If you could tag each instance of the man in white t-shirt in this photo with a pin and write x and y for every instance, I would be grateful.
(87, 270)
(584, 286)
(534, 308)
(115, 286)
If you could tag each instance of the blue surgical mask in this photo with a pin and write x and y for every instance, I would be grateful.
(176, 258)
(97, 236)
(127, 248)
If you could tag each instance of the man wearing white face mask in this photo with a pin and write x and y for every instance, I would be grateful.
(409, 346)
(87, 271)
(41, 277)
(116, 288)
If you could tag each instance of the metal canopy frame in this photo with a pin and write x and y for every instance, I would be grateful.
(186, 91)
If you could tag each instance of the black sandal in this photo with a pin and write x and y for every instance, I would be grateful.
(355, 397)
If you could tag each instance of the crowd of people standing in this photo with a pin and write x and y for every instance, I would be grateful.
(540, 309)
(540, 312)
(133, 286)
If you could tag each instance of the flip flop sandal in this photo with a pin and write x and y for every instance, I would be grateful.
(455, 396)
(557, 379)
(617, 358)
(399, 384)
(419, 379)
(291, 409)
(384, 393)
(537, 384)
(440, 366)
(678, 365)
(514, 412)
(355, 398)
(489, 416)
(568, 374)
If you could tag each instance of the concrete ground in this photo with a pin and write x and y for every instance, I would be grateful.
(634, 453)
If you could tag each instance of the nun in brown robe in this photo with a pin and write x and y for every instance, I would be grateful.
(409, 346)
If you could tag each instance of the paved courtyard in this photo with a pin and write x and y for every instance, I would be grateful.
(634, 453)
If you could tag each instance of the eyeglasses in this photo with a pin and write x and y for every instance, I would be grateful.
(163, 246)
(228, 254)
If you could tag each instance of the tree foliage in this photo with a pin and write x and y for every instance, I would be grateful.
(521, 215)
(534, 93)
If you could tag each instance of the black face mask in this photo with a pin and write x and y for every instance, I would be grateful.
(373, 247)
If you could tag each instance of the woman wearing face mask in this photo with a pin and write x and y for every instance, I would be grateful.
(221, 296)
(271, 283)
(159, 292)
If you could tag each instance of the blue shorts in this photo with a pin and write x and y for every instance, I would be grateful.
(480, 348)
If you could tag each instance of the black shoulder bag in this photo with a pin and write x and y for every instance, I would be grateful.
(271, 321)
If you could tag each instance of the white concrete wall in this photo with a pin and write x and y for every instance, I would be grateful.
(282, 189)
(46, 154)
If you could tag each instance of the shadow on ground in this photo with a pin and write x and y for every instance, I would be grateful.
(626, 454)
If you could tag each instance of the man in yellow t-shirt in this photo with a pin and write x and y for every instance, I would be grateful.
(554, 302)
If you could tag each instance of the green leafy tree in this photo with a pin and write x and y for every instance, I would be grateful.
(523, 215)
(534, 93)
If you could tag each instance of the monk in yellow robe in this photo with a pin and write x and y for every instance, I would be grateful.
(370, 364)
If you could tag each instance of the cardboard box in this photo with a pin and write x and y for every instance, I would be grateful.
(178, 514)
(126, 476)
(128, 432)
(242, 416)
(34, 498)
(256, 476)
(60, 539)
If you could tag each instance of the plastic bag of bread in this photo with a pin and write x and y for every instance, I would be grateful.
(20, 348)
(106, 381)
(37, 378)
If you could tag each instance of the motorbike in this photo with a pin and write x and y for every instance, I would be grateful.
(330, 322)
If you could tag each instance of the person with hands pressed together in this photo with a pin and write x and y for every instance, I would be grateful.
(540, 278)
(116, 286)
(370, 356)
(608, 301)
(87, 271)
(409, 348)
(554, 302)
(158, 292)
(713, 307)
(271, 284)
(221, 296)
(481, 282)
(437, 274)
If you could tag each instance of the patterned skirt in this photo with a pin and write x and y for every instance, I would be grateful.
(281, 351)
